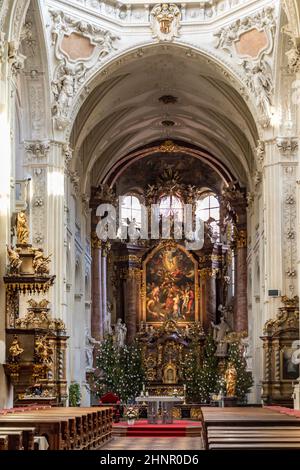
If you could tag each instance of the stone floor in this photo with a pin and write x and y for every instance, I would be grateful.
(153, 443)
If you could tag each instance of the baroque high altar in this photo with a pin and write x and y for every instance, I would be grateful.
(169, 105)
(169, 295)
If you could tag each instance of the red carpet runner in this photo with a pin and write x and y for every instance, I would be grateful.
(284, 410)
(141, 428)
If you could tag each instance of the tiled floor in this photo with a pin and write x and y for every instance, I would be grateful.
(153, 443)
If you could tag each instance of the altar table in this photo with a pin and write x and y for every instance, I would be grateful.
(166, 402)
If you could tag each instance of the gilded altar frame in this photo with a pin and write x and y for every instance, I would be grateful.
(283, 372)
(160, 246)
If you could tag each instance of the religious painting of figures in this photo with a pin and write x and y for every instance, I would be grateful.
(170, 276)
(289, 370)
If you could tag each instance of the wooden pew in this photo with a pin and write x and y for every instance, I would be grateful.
(3, 442)
(15, 439)
(56, 430)
(27, 438)
(249, 428)
(93, 425)
(65, 428)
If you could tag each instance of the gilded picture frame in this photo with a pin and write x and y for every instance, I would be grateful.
(288, 370)
(170, 285)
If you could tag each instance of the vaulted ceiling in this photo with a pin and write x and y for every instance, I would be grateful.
(164, 95)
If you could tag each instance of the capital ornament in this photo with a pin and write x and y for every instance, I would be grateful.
(287, 145)
(37, 149)
(293, 56)
(165, 21)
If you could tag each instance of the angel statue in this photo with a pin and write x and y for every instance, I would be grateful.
(64, 87)
(14, 259)
(15, 350)
(121, 331)
(22, 229)
(40, 262)
(260, 83)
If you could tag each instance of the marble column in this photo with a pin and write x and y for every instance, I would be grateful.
(234, 197)
(97, 317)
(210, 294)
(55, 242)
(5, 216)
(131, 301)
(241, 315)
(105, 251)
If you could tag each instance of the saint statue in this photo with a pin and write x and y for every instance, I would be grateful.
(121, 331)
(219, 333)
(230, 380)
(15, 350)
(22, 229)
(90, 344)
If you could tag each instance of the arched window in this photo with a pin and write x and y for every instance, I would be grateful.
(208, 207)
(171, 206)
(131, 210)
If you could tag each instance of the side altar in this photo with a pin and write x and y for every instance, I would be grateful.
(36, 342)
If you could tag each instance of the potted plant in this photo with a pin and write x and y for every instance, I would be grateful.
(74, 394)
(131, 413)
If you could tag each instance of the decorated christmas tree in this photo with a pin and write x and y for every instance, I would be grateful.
(209, 377)
(191, 372)
(133, 372)
(201, 380)
(244, 378)
(118, 370)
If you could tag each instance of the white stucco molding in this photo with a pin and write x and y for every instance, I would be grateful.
(136, 15)
(70, 71)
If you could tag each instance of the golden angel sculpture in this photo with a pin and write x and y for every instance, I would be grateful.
(14, 259)
(15, 350)
(43, 351)
(230, 380)
(41, 262)
(22, 229)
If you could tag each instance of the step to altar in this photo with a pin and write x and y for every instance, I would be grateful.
(141, 428)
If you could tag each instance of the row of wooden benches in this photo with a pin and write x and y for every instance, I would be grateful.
(222, 438)
(249, 428)
(64, 428)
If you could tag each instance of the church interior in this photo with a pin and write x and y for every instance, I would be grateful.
(149, 225)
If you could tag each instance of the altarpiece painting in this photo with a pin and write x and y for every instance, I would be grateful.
(171, 285)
